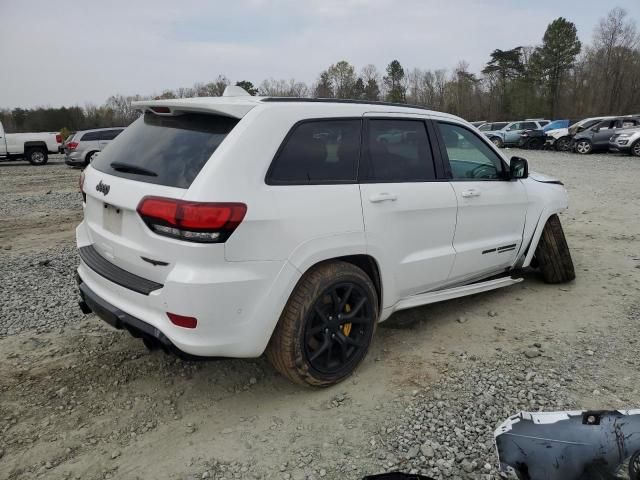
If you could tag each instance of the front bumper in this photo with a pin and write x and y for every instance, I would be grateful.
(617, 147)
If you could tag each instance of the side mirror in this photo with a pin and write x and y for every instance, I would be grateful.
(518, 168)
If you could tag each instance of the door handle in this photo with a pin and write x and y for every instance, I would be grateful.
(383, 197)
(472, 192)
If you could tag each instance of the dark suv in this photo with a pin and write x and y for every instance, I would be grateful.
(597, 137)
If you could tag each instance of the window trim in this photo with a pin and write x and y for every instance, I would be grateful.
(445, 156)
(438, 167)
(269, 180)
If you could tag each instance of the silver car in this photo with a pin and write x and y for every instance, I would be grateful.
(626, 140)
(81, 149)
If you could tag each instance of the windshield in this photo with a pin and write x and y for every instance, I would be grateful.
(163, 150)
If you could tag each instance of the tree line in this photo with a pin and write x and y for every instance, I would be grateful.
(559, 78)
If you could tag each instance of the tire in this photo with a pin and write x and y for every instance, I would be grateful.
(37, 156)
(497, 141)
(552, 254)
(563, 144)
(584, 147)
(309, 326)
(635, 149)
(90, 157)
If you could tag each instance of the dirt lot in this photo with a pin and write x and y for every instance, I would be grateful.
(80, 400)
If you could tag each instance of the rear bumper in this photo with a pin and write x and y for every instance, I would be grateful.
(237, 304)
(91, 302)
(74, 159)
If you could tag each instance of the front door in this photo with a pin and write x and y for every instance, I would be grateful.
(409, 215)
(491, 210)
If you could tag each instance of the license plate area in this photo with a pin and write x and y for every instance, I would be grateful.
(112, 219)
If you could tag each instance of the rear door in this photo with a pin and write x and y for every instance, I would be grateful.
(156, 156)
(491, 210)
(409, 213)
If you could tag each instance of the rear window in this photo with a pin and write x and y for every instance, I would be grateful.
(167, 151)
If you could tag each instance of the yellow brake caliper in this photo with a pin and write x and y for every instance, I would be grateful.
(346, 328)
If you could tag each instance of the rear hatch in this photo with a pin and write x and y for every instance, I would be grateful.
(159, 156)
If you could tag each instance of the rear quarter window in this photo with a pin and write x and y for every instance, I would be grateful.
(318, 152)
(165, 150)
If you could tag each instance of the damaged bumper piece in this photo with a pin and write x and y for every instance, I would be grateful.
(570, 445)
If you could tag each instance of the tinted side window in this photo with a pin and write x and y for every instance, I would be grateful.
(398, 151)
(322, 151)
(529, 126)
(91, 136)
(110, 134)
(470, 158)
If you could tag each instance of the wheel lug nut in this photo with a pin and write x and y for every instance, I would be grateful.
(333, 335)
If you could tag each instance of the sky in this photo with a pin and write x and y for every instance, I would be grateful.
(74, 52)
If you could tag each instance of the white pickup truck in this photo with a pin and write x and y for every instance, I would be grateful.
(34, 147)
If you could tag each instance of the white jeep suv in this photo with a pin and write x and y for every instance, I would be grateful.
(238, 225)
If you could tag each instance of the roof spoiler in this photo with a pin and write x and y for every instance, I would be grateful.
(179, 106)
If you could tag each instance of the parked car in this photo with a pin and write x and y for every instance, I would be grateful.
(535, 139)
(224, 227)
(509, 135)
(492, 126)
(560, 138)
(34, 147)
(626, 141)
(83, 148)
(597, 137)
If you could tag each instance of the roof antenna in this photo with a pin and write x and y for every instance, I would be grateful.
(234, 91)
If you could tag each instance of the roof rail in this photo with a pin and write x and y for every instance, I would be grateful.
(340, 100)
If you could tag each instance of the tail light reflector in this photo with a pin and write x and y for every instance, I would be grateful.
(72, 145)
(191, 221)
(182, 321)
(58, 138)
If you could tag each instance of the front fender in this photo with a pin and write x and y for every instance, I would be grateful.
(545, 200)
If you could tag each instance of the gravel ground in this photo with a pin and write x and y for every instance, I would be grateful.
(80, 400)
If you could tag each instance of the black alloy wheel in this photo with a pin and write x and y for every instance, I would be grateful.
(338, 328)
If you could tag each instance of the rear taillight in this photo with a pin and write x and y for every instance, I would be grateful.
(191, 221)
(58, 138)
(72, 145)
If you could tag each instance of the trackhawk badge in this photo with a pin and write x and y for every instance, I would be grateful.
(103, 187)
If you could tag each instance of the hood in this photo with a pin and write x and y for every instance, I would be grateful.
(542, 178)
(558, 132)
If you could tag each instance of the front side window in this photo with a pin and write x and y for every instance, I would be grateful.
(514, 126)
(470, 158)
(397, 151)
(317, 152)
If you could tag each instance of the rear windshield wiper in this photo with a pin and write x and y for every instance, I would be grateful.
(127, 168)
